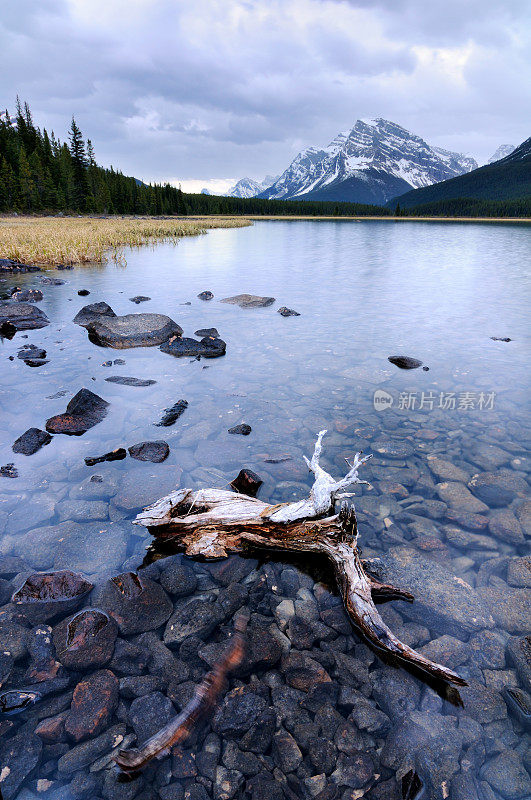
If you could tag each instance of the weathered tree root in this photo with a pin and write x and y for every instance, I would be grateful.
(203, 701)
(214, 522)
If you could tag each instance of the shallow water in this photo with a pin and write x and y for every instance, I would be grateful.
(365, 291)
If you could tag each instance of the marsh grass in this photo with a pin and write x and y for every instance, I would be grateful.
(49, 241)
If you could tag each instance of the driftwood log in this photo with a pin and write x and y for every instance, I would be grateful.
(203, 701)
(214, 522)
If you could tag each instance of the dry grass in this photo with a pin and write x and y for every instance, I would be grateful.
(48, 241)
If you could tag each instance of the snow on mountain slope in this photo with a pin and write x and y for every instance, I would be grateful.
(502, 151)
(373, 162)
(247, 187)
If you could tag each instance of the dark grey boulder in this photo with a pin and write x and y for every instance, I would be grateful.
(46, 595)
(139, 298)
(92, 312)
(150, 451)
(208, 347)
(172, 414)
(136, 603)
(8, 265)
(115, 455)
(27, 296)
(19, 756)
(212, 332)
(52, 281)
(126, 381)
(498, 488)
(405, 362)
(22, 316)
(205, 295)
(249, 301)
(31, 441)
(8, 471)
(287, 312)
(85, 640)
(247, 482)
(83, 411)
(132, 330)
(32, 356)
(242, 430)
(83, 292)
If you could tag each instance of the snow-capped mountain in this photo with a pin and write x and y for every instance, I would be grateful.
(247, 187)
(372, 163)
(502, 151)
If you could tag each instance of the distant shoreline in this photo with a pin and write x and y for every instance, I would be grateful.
(290, 218)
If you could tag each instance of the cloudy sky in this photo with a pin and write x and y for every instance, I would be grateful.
(206, 91)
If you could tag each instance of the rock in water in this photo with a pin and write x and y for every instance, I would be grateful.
(27, 296)
(22, 316)
(249, 301)
(172, 414)
(139, 298)
(126, 381)
(83, 411)
(9, 471)
(85, 640)
(150, 451)
(405, 362)
(500, 339)
(212, 332)
(31, 441)
(83, 292)
(208, 347)
(52, 281)
(242, 430)
(136, 603)
(93, 704)
(288, 312)
(115, 455)
(205, 295)
(247, 482)
(19, 756)
(45, 595)
(93, 312)
(132, 330)
(8, 265)
(32, 356)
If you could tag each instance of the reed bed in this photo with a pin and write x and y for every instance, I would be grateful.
(49, 241)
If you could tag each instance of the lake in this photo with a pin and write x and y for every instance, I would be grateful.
(315, 713)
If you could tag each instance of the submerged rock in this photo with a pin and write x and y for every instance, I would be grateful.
(126, 381)
(132, 330)
(208, 347)
(247, 482)
(93, 312)
(249, 301)
(172, 414)
(498, 489)
(22, 316)
(31, 355)
(139, 298)
(93, 705)
(205, 295)
(85, 640)
(115, 455)
(287, 312)
(136, 603)
(9, 471)
(52, 281)
(45, 595)
(27, 296)
(405, 362)
(19, 756)
(150, 451)
(242, 430)
(31, 441)
(500, 339)
(83, 411)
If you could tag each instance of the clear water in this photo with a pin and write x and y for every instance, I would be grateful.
(365, 291)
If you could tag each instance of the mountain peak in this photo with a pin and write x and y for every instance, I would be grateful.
(501, 152)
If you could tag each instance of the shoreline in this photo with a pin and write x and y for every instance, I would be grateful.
(286, 218)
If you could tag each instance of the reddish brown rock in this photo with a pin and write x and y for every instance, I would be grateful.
(52, 729)
(85, 640)
(136, 603)
(45, 595)
(93, 705)
(83, 411)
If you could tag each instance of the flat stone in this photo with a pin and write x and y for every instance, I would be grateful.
(287, 312)
(467, 540)
(93, 705)
(487, 456)
(443, 601)
(127, 381)
(249, 301)
(85, 640)
(446, 471)
(45, 595)
(511, 608)
(82, 510)
(405, 362)
(138, 488)
(93, 312)
(139, 298)
(19, 756)
(473, 522)
(392, 448)
(457, 496)
(207, 347)
(446, 650)
(32, 355)
(27, 296)
(84, 410)
(504, 525)
(135, 602)
(87, 752)
(172, 414)
(150, 451)
(242, 430)
(22, 316)
(487, 649)
(132, 330)
(498, 489)
(507, 775)
(31, 441)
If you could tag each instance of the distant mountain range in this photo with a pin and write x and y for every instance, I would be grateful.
(506, 179)
(371, 163)
(502, 151)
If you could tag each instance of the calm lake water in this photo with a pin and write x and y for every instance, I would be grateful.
(365, 290)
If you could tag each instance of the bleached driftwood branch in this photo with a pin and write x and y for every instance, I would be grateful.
(214, 522)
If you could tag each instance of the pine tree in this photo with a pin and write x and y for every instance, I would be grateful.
(27, 194)
(79, 164)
